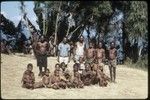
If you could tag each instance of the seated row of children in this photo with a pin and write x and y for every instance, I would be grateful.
(83, 75)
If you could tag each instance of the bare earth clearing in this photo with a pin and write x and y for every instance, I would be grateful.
(131, 83)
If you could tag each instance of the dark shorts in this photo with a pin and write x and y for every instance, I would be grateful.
(89, 60)
(42, 60)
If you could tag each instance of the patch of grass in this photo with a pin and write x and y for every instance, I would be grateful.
(142, 63)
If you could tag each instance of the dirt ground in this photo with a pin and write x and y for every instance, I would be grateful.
(131, 83)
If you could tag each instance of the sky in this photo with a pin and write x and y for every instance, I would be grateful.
(10, 9)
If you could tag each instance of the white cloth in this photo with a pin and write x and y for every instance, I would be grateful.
(64, 59)
(82, 66)
(80, 49)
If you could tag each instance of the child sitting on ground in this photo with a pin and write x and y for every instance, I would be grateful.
(45, 81)
(28, 78)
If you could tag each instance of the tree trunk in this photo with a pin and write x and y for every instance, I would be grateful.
(56, 29)
(70, 35)
(68, 30)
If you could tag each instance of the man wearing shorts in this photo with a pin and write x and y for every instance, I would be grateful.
(64, 52)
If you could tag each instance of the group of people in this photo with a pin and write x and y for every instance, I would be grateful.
(6, 47)
(88, 69)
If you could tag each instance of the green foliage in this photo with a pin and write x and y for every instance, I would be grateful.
(136, 21)
(102, 7)
(142, 63)
(136, 16)
(9, 27)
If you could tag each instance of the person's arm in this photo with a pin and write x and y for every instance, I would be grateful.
(43, 81)
(95, 54)
(84, 53)
(115, 54)
(69, 54)
(37, 49)
(59, 46)
(103, 55)
(33, 77)
(50, 83)
(74, 50)
(48, 47)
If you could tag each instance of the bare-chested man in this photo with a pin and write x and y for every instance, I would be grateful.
(90, 53)
(41, 52)
(100, 54)
(112, 61)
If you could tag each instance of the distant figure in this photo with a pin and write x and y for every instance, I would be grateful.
(3, 46)
(28, 78)
(9, 48)
(64, 52)
(42, 48)
(112, 61)
(79, 49)
(26, 47)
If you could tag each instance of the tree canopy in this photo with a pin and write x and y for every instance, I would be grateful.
(90, 12)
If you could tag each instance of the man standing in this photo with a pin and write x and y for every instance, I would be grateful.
(112, 61)
(64, 52)
(90, 53)
(42, 48)
(79, 49)
(100, 54)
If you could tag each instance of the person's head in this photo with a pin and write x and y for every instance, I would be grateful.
(77, 75)
(65, 40)
(63, 66)
(42, 38)
(81, 60)
(75, 67)
(90, 45)
(112, 44)
(29, 67)
(81, 38)
(56, 72)
(94, 67)
(67, 74)
(87, 66)
(100, 45)
(57, 67)
(47, 72)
